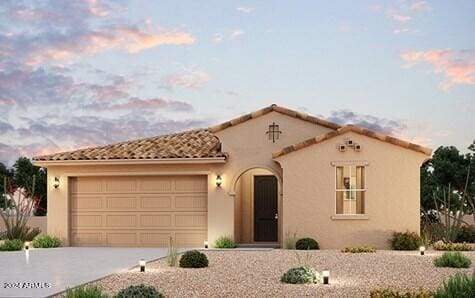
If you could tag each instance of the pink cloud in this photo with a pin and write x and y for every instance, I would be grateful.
(419, 6)
(137, 40)
(137, 103)
(458, 67)
(192, 80)
(236, 33)
(397, 16)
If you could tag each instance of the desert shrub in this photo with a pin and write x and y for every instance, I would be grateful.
(45, 241)
(388, 293)
(11, 245)
(3, 235)
(85, 292)
(452, 259)
(301, 275)
(290, 239)
(193, 259)
(440, 245)
(459, 285)
(405, 241)
(306, 243)
(172, 255)
(224, 242)
(466, 234)
(359, 249)
(433, 232)
(31, 234)
(140, 291)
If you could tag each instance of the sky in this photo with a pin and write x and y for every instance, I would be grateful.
(82, 73)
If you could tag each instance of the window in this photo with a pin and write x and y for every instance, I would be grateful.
(350, 190)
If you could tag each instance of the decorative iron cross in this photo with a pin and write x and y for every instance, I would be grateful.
(273, 132)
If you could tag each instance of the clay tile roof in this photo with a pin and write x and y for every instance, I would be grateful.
(200, 143)
(274, 108)
(359, 130)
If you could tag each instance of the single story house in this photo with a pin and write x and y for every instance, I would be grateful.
(258, 178)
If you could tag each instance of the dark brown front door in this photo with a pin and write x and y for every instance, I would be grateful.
(265, 208)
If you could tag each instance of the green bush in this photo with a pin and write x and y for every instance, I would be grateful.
(45, 241)
(466, 234)
(440, 245)
(452, 259)
(301, 275)
(459, 285)
(405, 241)
(193, 259)
(10, 245)
(85, 292)
(388, 293)
(3, 235)
(140, 291)
(359, 249)
(224, 242)
(306, 243)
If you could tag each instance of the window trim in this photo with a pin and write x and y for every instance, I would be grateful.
(337, 164)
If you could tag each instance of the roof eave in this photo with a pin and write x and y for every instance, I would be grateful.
(100, 162)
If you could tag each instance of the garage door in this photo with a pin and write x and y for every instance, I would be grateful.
(138, 211)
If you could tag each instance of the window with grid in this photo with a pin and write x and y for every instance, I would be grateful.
(350, 189)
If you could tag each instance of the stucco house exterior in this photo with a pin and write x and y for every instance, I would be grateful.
(255, 178)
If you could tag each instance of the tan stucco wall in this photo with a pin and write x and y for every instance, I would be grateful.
(33, 222)
(248, 147)
(392, 197)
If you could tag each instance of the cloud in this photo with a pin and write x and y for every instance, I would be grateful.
(419, 6)
(404, 30)
(382, 125)
(236, 33)
(458, 67)
(394, 15)
(191, 80)
(217, 37)
(245, 9)
(58, 30)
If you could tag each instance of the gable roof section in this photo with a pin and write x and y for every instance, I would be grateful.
(355, 129)
(273, 108)
(194, 144)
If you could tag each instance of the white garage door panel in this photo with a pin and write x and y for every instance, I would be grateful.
(138, 211)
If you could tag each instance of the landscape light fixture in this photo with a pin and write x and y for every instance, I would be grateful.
(27, 245)
(56, 182)
(326, 276)
(142, 265)
(206, 244)
(422, 249)
(219, 181)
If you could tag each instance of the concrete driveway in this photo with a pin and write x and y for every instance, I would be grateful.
(50, 271)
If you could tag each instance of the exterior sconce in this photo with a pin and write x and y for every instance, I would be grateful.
(219, 181)
(326, 276)
(142, 265)
(56, 182)
(422, 249)
(206, 244)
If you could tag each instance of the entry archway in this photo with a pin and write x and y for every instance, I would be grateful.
(256, 206)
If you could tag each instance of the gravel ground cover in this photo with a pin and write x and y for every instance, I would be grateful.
(257, 274)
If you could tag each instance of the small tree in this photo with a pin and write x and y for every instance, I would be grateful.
(17, 210)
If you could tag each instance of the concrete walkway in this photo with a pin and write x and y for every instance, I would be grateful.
(65, 267)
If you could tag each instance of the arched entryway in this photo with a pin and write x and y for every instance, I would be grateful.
(256, 207)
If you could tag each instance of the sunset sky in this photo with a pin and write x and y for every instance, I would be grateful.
(84, 73)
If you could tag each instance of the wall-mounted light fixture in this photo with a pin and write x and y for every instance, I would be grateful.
(422, 250)
(219, 181)
(206, 244)
(326, 276)
(142, 265)
(56, 182)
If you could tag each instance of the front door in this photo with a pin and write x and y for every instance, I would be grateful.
(265, 208)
